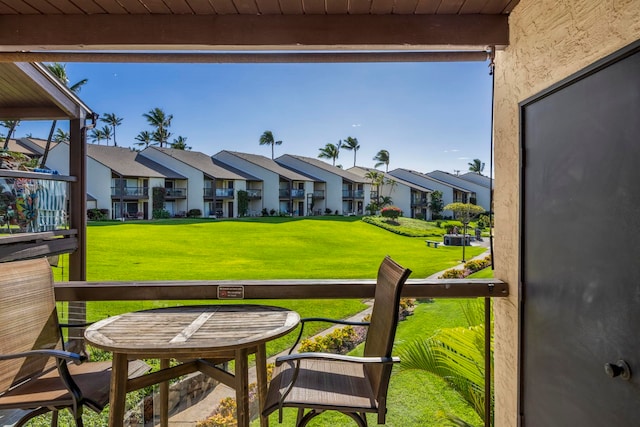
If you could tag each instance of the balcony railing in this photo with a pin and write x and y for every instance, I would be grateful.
(130, 192)
(254, 194)
(284, 193)
(226, 193)
(297, 194)
(79, 292)
(418, 201)
(175, 193)
(318, 194)
(353, 194)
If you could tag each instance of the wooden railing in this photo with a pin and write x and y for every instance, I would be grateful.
(76, 292)
(273, 289)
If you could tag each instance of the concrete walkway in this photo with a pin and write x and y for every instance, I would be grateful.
(203, 409)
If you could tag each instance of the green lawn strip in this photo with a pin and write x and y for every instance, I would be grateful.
(252, 249)
(271, 248)
(415, 398)
(485, 273)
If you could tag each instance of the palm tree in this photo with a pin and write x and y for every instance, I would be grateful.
(267, 139)
(383, 159)
(180, 143)
(145, 139)
(352, 144)
(457, 356)
(97, 135)
(11, 125)
(114, 121)
(161, 122)
(106, 133)
(61, 136)
(476, 166)
(330, 151)
(60, 71)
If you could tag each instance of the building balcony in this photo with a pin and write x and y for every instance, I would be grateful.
(129, 193)
(353, 194)
(284, 193)
(318, 194)
(297, 194)
(253, 193)
(417, 202)
(225, 193)
(175, 193)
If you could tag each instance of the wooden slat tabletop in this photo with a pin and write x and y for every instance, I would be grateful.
(191, 331)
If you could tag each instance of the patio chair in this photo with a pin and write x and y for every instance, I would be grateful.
(352, 385)
(35, 370)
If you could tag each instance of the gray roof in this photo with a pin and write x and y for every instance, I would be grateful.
(127, 162)
(345, 174)
(206, 164)
(476, 178)
(272, 165)
(426, 176)
(363, 170)
(449, 178)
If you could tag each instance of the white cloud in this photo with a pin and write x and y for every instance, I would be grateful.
(356, 125)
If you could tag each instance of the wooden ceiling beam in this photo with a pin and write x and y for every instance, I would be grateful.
(250, 32)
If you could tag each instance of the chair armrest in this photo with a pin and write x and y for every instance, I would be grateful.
(304, 320)
(58, 354)
(337, 357)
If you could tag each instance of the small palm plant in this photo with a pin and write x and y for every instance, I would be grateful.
(457, 356)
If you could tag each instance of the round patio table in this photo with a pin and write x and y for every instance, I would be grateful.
(202, 336)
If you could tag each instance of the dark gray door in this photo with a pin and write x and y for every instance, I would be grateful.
(581, 248)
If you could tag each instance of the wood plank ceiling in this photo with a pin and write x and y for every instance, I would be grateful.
(264, 25)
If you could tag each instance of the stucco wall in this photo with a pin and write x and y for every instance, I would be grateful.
(549, 41)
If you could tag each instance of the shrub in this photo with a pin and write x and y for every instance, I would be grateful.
(97, 214)
(265, 212)
(392, 212)
(419, 216)
(272, 212)
(327, 211)
(453, 274)
(194, 213)
(161, 214)
(341, 340)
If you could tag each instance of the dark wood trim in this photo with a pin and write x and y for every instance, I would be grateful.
(78, 196)
(246, 58)
(167, 32)
(37, 248)
(6, 173)
(34, 237)
(272, 289)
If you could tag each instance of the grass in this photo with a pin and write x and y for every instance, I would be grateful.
(280, 248)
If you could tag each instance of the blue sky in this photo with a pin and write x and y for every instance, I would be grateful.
(427, 115)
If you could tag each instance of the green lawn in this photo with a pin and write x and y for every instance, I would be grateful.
(280, 248)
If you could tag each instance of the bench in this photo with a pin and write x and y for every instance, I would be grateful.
(433, 242)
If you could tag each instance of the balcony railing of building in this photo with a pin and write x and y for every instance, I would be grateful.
(225, 193)
(130, 192)
(297, 193)
(318, 194)
(284, 193)
(419, 201)
(33, 215)
(79, 292)
(353, 194)
(253, 194)
(175, 193)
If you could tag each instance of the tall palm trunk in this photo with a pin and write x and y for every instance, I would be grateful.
(47, 147)
(11, 130)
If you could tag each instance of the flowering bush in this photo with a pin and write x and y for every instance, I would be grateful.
(392, 212)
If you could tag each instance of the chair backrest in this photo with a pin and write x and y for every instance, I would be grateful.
(383, 323)
(28, 319)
